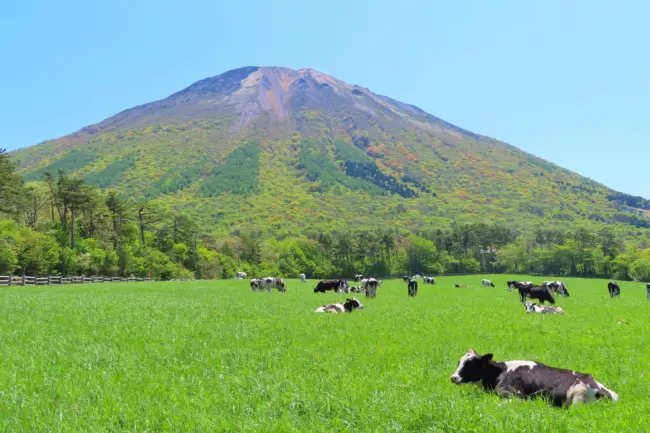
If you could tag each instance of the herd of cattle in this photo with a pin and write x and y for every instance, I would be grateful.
(522, 379)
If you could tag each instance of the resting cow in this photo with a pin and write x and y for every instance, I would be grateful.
(614, 289)
(528, 379)
(534, 308)
(347, 307)
(413, 288)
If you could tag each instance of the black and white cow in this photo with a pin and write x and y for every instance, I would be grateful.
(614, 289)
(241, 275)
(303, 278)
(534, 308)
(429, 280)
(406, 278)
(358, 278)
(357, 289)
(273, 282)
(487, 283)
(512, 284)
(347, 307)
(326, 285)
(413, 288)
(647, 287)
(528, 379)
(542, 294)
(557, 287)
(257, 284)
(370, 285)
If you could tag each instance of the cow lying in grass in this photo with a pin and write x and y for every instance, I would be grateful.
(541, 309)
(528, 379)
(347, 307)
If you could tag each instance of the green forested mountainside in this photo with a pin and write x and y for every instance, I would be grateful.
(291, 153)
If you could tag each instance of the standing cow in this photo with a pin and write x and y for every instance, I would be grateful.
(647, 286)
(542, 294)
(303, 278)
(326, 285)
(358, 278)
(370, 285)
(272, 282)
(614, 289)
(487, 283)
(257, 284)
(428, 280)
(241, 275)
(412, 288)
(557, 287)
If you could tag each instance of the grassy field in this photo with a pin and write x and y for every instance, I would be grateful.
(215, 357)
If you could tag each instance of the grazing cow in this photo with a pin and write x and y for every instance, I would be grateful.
(303, 278)
(370, 285)
(347, 307)
(271, 282)
(534, 308)
(428, 280)
(528, 379)
(487, 283)
(413, 288)
(512, 284)
(557, 287)
(241, 275)
(257, 284)
(358, 278)
(614, 289)
(542, 294)
(325, 285)
(406, 279)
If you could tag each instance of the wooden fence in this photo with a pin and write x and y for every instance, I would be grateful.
(51, 280)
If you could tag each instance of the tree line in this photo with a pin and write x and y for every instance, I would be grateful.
(61, 225)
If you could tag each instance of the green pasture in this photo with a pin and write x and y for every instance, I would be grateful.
(212, 356)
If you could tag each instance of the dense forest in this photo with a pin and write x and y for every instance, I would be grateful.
(67, 226)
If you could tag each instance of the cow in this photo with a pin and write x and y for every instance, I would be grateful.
(463, 286)
(347, 307)
(512, 284)
(542, 294)
(487, 283)
(647, 287)
(303, 278)
(343, 288)
(406, 279)
(325, 285)
(241, 275)
(614, 289)
(534, 308)
(528, 379)
(271, 282)
(412, 288)
(557, 287)
(357, 289)
(358, 278)
(370, 285)
(428, 280)
(257, 284)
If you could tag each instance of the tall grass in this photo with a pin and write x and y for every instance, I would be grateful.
(215, 357)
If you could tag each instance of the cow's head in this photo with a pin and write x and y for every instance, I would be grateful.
(530, 307)
(471, 368)
(352, 304)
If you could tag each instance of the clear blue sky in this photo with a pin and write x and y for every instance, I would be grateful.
(566, 80)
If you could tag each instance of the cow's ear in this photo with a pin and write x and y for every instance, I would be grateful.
(487, 357)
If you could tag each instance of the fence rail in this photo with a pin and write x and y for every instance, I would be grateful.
(56, 280)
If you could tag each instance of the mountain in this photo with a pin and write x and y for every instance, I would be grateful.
(268, 149)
